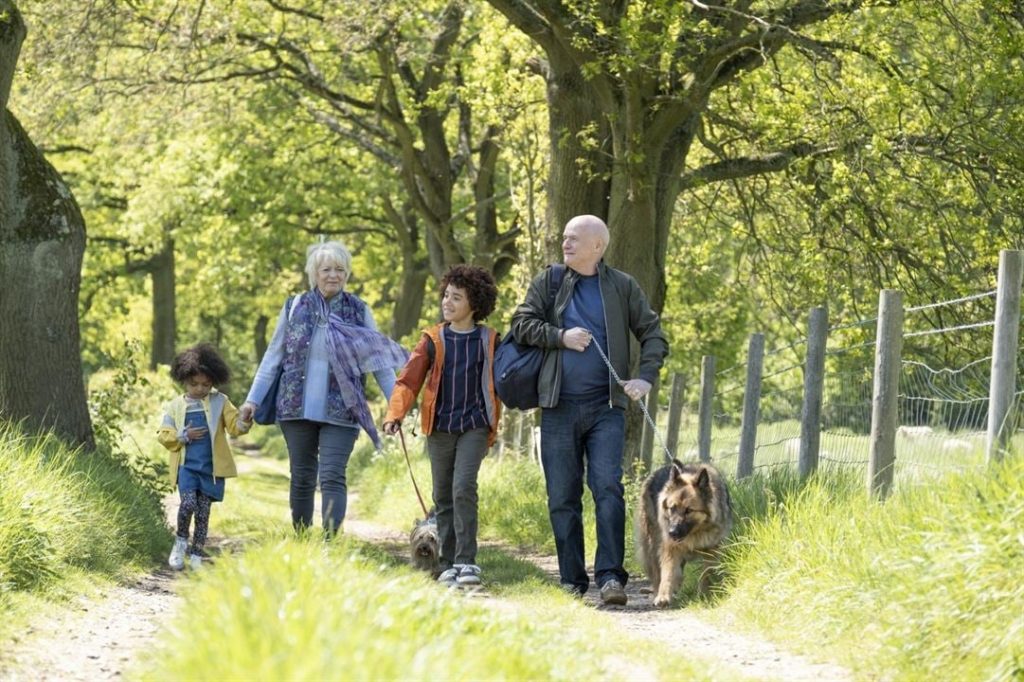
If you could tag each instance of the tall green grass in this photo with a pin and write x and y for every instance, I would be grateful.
(308, 610)
(928, 584)
(63, 509)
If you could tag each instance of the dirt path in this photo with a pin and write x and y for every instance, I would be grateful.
(96, 640)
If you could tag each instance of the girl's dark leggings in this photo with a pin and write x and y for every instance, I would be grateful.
(194, 502)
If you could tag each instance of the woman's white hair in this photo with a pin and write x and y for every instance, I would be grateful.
(334, 253)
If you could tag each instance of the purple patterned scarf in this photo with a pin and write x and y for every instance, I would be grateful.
(353, 351)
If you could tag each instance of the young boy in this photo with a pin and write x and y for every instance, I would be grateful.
(460, 411)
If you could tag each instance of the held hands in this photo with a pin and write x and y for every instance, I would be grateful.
(391, 428)
(246, 411)
(576, 339)
(636, 389)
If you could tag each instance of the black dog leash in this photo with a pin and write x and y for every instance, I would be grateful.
(408, 463)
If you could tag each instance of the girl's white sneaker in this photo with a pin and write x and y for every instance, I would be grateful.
(195, 561)
(177, 558)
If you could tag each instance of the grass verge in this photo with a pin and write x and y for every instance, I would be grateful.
(926, 585)
(65, 512)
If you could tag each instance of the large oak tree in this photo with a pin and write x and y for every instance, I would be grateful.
(629, 88)
(42, 238)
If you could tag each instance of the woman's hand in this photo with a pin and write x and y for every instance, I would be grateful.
(246, 411)
(391, 428)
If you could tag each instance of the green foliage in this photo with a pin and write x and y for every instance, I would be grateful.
(114, 400)
(513, 505)
(922, 585)
(63, 509)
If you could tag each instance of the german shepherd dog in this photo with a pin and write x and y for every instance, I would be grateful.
(424, 545)
(685, 514)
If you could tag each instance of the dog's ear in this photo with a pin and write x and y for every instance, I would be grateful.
(675, 473)
(703, 480)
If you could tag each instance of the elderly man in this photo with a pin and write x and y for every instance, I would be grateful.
(583, 408)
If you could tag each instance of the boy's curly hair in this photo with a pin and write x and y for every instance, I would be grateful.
(479, 286)
(201, 358)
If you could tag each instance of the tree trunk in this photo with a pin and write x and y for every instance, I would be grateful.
(259, 336)
(42, 240)
(164, 301)
(578, 176)
(416, 268)
(406, 314)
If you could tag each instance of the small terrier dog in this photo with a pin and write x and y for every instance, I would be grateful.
(424, 545)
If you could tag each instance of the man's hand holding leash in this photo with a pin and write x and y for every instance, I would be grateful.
(635, 388)
(579, 339)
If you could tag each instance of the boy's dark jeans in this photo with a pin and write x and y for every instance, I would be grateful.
(454, 464)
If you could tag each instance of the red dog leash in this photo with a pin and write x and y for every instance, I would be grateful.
(408, 463)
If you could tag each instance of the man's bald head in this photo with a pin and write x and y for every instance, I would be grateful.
(584, 241)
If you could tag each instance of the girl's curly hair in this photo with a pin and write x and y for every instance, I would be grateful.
(201, 358)
(479, 286)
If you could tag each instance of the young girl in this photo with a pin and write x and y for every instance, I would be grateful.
(194, 424)
(460, 411)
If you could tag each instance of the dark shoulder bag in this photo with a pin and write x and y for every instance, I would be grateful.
(517, 366)
(266, 411)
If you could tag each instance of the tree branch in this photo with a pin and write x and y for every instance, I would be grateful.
(747, 166)
(281, 7)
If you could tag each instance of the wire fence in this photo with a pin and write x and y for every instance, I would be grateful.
(942, 412)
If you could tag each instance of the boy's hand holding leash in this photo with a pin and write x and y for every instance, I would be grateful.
(391, 428)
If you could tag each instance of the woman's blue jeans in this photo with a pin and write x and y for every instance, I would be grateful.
(318, 448)
(577, 437)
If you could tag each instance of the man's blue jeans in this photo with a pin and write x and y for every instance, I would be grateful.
(578, 436)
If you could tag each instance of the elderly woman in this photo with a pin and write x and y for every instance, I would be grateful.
(325, 342)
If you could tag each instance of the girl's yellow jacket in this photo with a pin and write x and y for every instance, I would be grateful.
(221, 414)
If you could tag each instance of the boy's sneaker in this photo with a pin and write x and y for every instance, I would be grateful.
(448, 576)
(177, 558)
(469, 575)
(613, 593)
(195, 561)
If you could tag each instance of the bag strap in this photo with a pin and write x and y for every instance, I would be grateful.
(556, 273)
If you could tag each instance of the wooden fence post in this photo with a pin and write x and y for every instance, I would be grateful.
(814, 383)
(704, 410)
(1003, 384)
(885, 394)
(751, 405)
(675, 413)
(526, 432)
(647, 435)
